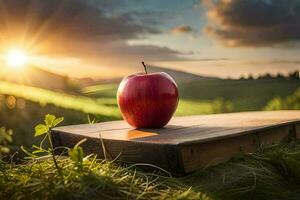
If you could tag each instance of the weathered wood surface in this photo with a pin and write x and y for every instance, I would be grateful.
(187, 143)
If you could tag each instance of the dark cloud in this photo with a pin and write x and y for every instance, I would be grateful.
(254, 22)
(73, 19)
(182, 29)
(79, 27)
(151, 53)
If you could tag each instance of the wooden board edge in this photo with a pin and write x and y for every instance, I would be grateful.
(160, 155)
(174, 158)
(198, 156)
(252, 131)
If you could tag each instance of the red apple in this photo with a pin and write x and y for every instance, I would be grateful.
(148, 100)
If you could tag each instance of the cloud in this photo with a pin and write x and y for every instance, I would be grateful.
(121, 50)
(254, 22)
(152, 53)
(80, 27)
(182, 29)
(71, 19)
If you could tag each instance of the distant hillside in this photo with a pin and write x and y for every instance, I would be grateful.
(34, 76)
(38, 77)
(42, 78)
(178, 75)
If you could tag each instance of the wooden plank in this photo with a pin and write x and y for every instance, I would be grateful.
(187, 143)
(214, 152)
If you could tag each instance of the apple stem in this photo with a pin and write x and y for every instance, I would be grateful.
(145, 68)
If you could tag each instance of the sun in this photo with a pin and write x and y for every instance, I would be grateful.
(16, 58)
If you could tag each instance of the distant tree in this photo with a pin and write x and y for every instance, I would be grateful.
(250, 77)
(294, 75)
(291, 75)
(280, 76)
(268, 76)
(265, 76)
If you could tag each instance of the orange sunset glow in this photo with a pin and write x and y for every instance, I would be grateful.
(81, 39)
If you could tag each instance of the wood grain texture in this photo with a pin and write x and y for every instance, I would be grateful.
(187, 143)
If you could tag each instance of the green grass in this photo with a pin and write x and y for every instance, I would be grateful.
(197, 97)
(97, 179)
(269, 174)
(291, 102)
(245, 95)
(106, 105)
(73, 176)
(190, 107)
(99, 106)
(103, 90)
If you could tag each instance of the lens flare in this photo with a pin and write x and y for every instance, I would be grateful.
(16, 58)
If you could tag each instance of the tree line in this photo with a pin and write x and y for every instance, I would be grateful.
(293, 75)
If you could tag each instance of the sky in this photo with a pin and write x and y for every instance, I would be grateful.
(101, 38)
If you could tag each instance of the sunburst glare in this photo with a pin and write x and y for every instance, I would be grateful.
(16, 58)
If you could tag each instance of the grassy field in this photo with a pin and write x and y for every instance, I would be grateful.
(217, 95)
(198, 97)
(25, 105)
(291, 102)
(99, 106)
(269, 174)
(104, 103)
(245, 95)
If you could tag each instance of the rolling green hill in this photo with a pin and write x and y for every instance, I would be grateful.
(244, 95)
(23, 106)
(99, 106)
